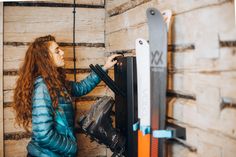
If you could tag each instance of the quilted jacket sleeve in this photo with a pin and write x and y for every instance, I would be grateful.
(43, 125)
(85, 86)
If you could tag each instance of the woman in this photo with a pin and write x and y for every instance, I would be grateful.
(42, 99)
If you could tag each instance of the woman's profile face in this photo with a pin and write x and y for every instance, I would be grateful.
(57, 54)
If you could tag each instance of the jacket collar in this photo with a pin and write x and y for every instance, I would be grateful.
(38, 79)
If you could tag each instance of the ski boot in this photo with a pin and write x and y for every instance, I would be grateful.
(98, 125)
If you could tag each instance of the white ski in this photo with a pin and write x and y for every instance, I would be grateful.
(143, 75)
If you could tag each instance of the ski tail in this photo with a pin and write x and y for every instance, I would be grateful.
(143, 144)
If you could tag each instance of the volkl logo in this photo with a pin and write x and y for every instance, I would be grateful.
(156, 58)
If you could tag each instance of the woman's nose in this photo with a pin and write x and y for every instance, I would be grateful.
(61, 52)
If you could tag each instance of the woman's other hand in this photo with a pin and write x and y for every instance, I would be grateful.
(111, 61)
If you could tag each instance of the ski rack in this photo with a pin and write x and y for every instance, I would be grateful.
(103, 75)
(172, 131)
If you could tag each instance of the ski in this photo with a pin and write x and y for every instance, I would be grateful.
(143, 74)
(158, 76)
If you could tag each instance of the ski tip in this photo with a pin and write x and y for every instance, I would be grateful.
(152, 11)
(140, 41)
(167, 14)
(141, 46)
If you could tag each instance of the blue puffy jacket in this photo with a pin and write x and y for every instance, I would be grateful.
(53, 135)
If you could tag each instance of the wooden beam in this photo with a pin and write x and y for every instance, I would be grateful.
(16, 135)
(177, 94)
(51, 4)
(15, 72)
(62, 44)
(227, 43)
(1, 81)
(119, 7)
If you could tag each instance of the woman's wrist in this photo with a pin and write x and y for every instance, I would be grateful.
(105, 67)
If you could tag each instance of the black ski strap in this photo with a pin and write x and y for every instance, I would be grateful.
(111, 84)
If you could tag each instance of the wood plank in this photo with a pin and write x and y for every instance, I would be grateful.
(9, 121)
(88, 2)
(85, 56)
(183, 83)
(16, 135)
(81, 76)
(208, 101)
(16, 148)
(120, 6)
(88, 148)
(229, 35)
(225, 81)
(125, 39)
(91, 2)
(9, 82)
(51, 4)
(135, 16)
(223, 64)
(14, 56)
(30, 23)
(1, 82)
(228, 84)
(111, 4)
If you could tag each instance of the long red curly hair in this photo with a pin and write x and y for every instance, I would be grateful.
(37, 62)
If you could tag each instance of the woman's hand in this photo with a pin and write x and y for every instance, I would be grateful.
(110, 62)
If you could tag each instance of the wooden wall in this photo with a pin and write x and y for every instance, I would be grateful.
(201, 63)
(201, 68)
(23, 22)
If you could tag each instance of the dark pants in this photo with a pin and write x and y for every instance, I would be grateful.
(28, 155)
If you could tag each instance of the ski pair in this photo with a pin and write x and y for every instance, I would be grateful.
(152, 81)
